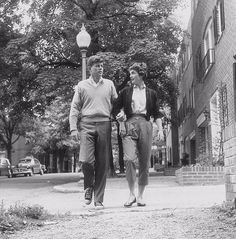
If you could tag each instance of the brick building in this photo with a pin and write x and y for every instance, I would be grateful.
(207, 83)
(186, 102)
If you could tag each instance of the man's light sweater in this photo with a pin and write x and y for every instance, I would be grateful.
(92, 102)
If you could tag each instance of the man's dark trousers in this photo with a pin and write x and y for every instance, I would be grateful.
(95, 146)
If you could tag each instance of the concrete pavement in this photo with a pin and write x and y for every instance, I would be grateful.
(162, 192)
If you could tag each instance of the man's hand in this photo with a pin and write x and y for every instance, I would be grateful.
(75, 135)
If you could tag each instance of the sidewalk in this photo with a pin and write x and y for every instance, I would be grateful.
(172, 211)
(162, 193)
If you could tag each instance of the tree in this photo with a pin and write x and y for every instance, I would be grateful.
(24, 94)
(51, 132)
(16, 83)
(122, 31)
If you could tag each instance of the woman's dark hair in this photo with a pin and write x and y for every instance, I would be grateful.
(140, 67)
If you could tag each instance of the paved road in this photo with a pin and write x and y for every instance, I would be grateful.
(162, 192)
(33, 190)
(38, 181)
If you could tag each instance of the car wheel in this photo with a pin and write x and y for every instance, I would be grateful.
(25, 174)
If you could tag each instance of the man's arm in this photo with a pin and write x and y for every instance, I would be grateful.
(118, 104)
(75, 111)
(114, 94)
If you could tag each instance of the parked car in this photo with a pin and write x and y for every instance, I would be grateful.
(27, 166)
(5, 167)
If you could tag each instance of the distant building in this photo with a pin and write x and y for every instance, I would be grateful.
(56, 162)
(186, 101)
(20, 150)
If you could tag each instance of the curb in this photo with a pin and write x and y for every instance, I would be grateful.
(65, 189)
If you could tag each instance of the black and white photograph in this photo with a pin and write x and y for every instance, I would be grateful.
(117, 119)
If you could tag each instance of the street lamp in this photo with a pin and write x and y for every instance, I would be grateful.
(83, 40)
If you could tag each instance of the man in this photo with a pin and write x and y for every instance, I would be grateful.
(92, 104)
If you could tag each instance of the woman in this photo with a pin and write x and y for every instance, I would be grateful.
(138, 104)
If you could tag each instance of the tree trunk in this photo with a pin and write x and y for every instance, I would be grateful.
(61, 157)
(55, 161)
(58, 163)
(9, 153)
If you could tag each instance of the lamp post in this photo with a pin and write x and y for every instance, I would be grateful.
(83, 40)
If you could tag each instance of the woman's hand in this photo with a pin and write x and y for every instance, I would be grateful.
(121, 116)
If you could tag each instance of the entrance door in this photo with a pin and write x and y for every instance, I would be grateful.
(193, 151)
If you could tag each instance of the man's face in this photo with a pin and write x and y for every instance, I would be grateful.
(97, 69)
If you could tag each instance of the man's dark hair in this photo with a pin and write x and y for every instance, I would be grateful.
(93, 60)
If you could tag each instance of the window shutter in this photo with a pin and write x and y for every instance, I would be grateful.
(222, 15)
(216, 35)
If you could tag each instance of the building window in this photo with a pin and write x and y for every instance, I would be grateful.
(208, 37)
(219, 20)
(208, 49)
(184, 106)
(198, 62)
(203, 142)
(192, 102)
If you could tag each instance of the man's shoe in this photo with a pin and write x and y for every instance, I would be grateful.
(98, 205)
(88, 195)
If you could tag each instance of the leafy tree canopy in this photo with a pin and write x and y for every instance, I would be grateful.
(44, 62)
(50, 132)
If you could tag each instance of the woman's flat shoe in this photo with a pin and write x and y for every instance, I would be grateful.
(129, 204)
(141, 204)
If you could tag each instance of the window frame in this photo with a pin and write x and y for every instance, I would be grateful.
(219, 20)
(209, 33)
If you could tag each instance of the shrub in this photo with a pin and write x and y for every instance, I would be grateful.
(18, 216)
(34, 212)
